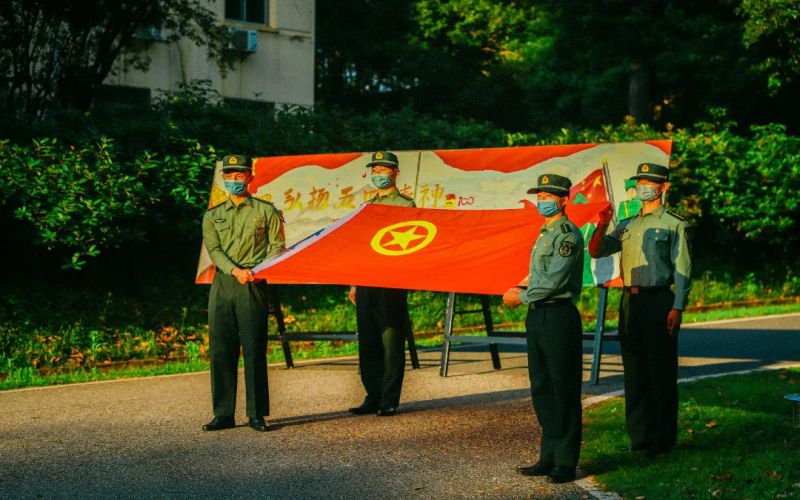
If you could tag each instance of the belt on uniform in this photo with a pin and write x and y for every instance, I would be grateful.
(645, 290)
(539, 304)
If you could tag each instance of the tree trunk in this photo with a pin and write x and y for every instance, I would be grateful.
(639, 92)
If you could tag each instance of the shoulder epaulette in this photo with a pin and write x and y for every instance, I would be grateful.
(675, 215)
(565, 228)
(405, 196)
(267, 202)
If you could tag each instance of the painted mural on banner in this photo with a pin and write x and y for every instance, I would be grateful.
(314, 191)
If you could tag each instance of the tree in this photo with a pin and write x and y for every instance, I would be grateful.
(58, 52)
(363, 53)
(773, 28)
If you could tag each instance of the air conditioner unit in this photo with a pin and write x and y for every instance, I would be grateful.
(244, 40)
(148, 33)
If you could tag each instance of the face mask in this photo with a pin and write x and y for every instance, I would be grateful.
(382, 181)
(646, 192)
(547, 208)
(236, 188)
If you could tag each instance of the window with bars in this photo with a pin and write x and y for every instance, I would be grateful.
(248, 11)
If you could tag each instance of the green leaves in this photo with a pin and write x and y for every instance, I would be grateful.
(80, 200)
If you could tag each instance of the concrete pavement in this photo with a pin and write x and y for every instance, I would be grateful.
(457, 437)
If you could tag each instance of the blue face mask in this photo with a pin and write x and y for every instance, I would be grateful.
(646, 192)
(236, 188)
(547, 208)
(382, 181)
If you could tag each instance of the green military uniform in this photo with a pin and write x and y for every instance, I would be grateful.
(239, 236)
(383, 322)
(655, 255)
(554, 332)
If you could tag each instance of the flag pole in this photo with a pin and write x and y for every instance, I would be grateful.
(607, 184)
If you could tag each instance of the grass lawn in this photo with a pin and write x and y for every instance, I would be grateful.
(735, 440)
(25, 377)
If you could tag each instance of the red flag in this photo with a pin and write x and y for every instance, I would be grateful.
(591, 189)
(465, 251)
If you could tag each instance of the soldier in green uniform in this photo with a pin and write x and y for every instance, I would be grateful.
(382, 313)
(554, 332)
(655, 255)
(239, 233)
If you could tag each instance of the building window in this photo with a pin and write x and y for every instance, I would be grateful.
(248, 11)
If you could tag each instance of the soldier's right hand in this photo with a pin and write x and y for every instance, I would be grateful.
(352, 295)
(606, 215)
(243, 275)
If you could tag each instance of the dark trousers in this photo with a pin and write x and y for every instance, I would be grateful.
(650, 358)
(383, 326)
(555, 363)
(237, 320)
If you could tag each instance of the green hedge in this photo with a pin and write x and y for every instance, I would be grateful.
(81, 185)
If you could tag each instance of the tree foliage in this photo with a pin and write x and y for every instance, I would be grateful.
(538, 64)
(772, 27)
(58, 52)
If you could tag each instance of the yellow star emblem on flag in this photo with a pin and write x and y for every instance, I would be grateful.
(403, 238)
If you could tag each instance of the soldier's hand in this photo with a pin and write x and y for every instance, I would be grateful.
(243, 275)
(674, 319)
(606, 215)
(352, 295)
(511, 297)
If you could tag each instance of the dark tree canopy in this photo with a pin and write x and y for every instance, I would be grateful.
(528, 64)
(58, 52)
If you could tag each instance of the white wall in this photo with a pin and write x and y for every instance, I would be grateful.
(280, 71)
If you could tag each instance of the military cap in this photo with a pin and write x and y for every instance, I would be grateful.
(652, 172)
(552, 183)
(385, 158)
(235, 163)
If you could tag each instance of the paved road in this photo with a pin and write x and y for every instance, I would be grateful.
(457, 437)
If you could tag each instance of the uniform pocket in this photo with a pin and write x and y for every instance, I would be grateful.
(656, 242)
(222, 226)
(257, 227)
(545, 255)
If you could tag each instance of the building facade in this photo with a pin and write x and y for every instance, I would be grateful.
(274, 41)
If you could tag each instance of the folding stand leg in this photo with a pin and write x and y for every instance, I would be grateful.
(275, 310)
(412, 350)
(599, 331)
(489, 324)
(448, 331)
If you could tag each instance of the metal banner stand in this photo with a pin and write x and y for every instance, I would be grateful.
(494, 337)
(285, 338)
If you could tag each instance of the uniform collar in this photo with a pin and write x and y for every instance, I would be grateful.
(658, 212)
(556, 223)
(391, 194)
(229, 204)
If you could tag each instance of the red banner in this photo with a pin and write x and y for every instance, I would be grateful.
(466, 251)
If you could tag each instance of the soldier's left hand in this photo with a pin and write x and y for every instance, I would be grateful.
(511, 297)
(674, 319)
